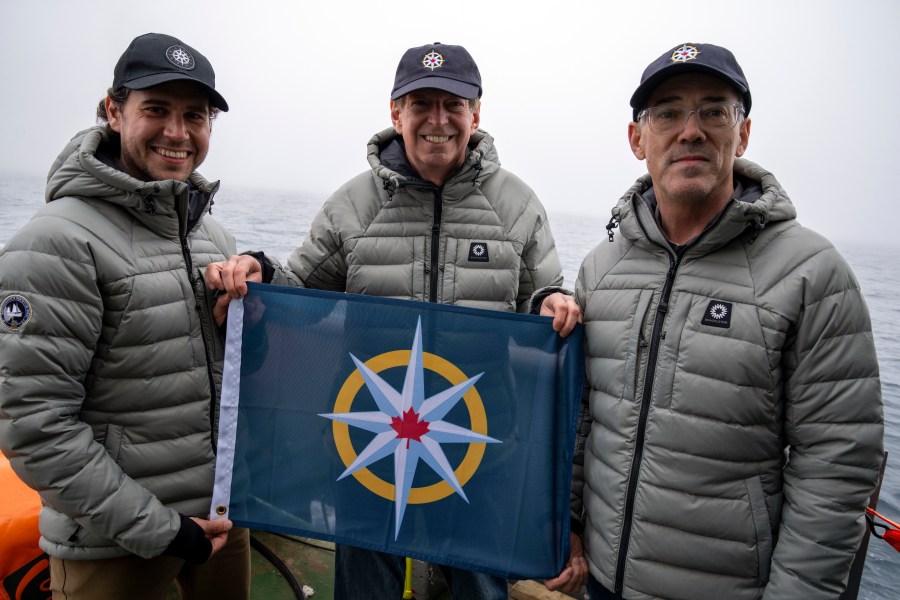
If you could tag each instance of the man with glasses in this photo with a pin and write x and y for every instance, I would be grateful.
(733, 428)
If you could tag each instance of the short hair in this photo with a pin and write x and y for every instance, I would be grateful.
(119, 96)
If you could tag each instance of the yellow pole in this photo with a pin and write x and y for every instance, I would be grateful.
(407, 583)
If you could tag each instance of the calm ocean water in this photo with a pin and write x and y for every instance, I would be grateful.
(277, 221)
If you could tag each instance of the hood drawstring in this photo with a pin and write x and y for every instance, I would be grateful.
(478, 169)
(389, 188)
(613, 223)
(149, 202)
(759, 223)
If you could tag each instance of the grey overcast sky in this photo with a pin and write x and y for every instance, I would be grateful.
(308, 84)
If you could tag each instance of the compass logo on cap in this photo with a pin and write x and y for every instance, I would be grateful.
(180, 57)
(433, 60)
(685, 53)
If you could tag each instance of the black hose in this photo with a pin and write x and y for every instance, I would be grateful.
(279, 564)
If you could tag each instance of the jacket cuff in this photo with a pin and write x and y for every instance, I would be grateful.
(268, 270)
(576, 526)
(538, 297)
(190, 543)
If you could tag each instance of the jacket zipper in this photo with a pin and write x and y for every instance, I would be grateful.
(661, 310)
(184, 230)
(435, 247)
(433, 266)
(189, 263)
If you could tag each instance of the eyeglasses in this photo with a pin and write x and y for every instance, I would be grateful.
(671, 119)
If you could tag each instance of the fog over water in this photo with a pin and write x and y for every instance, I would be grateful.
(308, 84)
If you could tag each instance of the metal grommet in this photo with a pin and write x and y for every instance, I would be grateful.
(221, 509)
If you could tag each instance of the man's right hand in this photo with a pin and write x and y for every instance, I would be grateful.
(231, 276)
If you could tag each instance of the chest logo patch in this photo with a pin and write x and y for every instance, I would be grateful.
(478, 252)
(15, 312)
(718, 314)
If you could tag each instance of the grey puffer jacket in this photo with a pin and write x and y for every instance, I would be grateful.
(108, 389)
(735, 420)
(481, 240)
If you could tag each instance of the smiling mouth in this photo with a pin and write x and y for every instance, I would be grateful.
(437, 139)
(177, 154)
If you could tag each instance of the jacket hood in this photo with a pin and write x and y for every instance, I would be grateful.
(481, 161)
(79, 170)
(752, 211)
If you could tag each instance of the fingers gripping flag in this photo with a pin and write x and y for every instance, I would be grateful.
(433, 431)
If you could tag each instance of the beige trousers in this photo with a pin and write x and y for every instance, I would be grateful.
(225, 576)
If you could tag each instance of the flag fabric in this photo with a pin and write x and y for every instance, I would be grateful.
(436, 432)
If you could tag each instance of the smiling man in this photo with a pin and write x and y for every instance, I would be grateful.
(110, 364)
(163, 131)
(436, 219)
(734, 427)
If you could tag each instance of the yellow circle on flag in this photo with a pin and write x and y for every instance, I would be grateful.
(447, 370)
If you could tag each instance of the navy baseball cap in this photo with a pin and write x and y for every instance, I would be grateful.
(688, 57)
(441, 66)
(155, 58)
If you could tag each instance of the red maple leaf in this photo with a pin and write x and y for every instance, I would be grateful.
(409, 427)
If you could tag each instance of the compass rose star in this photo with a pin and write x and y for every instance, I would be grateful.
(409, 426)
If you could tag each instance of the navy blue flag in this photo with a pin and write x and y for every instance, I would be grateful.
(431, 431)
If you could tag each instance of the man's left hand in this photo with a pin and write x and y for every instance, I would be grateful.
(575, 575)
(564, 310)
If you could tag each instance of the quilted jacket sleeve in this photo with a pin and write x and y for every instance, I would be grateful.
(834, 428)
(44, 364)
(540, 263)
